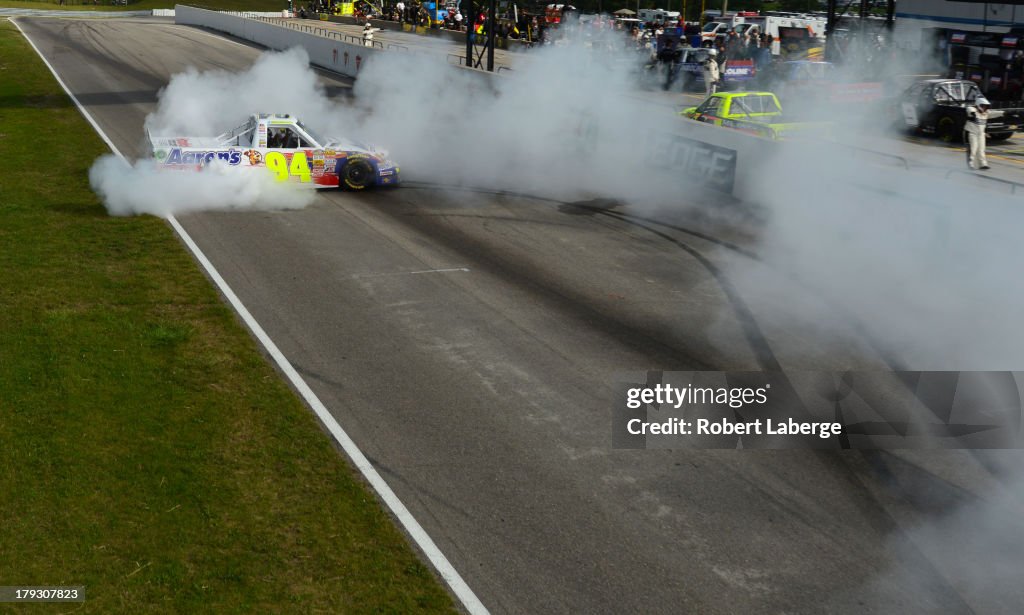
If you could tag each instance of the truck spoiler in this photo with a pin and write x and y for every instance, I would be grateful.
(165, 141)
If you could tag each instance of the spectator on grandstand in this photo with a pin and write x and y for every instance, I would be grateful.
(731, 44)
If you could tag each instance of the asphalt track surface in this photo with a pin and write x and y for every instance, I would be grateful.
(466, 341)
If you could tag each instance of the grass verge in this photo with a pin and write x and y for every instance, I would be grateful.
(147, 450)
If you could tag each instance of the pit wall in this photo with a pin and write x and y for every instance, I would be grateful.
(723, 159)
(344, 58)
(720, 158)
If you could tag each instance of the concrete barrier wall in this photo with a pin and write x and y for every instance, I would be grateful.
(344, 58)
(723, 159)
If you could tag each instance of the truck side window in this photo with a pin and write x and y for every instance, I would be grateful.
(291, 140)
(926, 96)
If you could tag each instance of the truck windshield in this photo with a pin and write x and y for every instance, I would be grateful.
(712, 26)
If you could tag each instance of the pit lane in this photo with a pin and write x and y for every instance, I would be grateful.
(477, 389)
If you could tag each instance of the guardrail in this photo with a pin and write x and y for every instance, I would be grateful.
(325, 48)
(320, 31)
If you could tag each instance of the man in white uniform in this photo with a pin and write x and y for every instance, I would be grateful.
(978, 115)
(368, 31)
(711, 74)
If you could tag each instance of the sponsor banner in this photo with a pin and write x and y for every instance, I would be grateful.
(709, 164)
(739, 70)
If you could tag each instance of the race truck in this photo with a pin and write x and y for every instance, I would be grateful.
(287, 148)
(939, 107)
(756, 113)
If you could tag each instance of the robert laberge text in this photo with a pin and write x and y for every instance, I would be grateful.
(708, 427)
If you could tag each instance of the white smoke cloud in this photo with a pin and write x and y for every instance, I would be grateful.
(206, 104)
(923, 265)
(559, 126)
(144, 188)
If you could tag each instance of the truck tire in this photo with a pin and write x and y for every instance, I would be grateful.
(357, 174)
(949, 130)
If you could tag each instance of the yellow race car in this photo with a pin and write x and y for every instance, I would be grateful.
(757, 113)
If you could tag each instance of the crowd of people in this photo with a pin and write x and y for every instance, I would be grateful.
(513, 24)
(534, 29)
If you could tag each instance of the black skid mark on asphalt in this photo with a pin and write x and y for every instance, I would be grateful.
(631, 333)
(891, 361)
(392, 477)
(590, 207)
(606, 207)
(751, 330)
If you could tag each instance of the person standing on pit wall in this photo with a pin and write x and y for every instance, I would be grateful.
(978, 115)
(368, 31)
(711, 74)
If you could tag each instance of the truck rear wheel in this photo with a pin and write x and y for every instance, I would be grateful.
(357, 174)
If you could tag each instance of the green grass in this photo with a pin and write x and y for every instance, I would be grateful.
(143, 5)
(147, 449)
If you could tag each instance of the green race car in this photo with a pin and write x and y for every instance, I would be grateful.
(757, 113)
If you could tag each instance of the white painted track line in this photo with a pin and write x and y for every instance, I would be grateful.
(459, 587)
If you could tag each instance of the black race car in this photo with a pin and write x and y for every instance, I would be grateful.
(939, 107)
